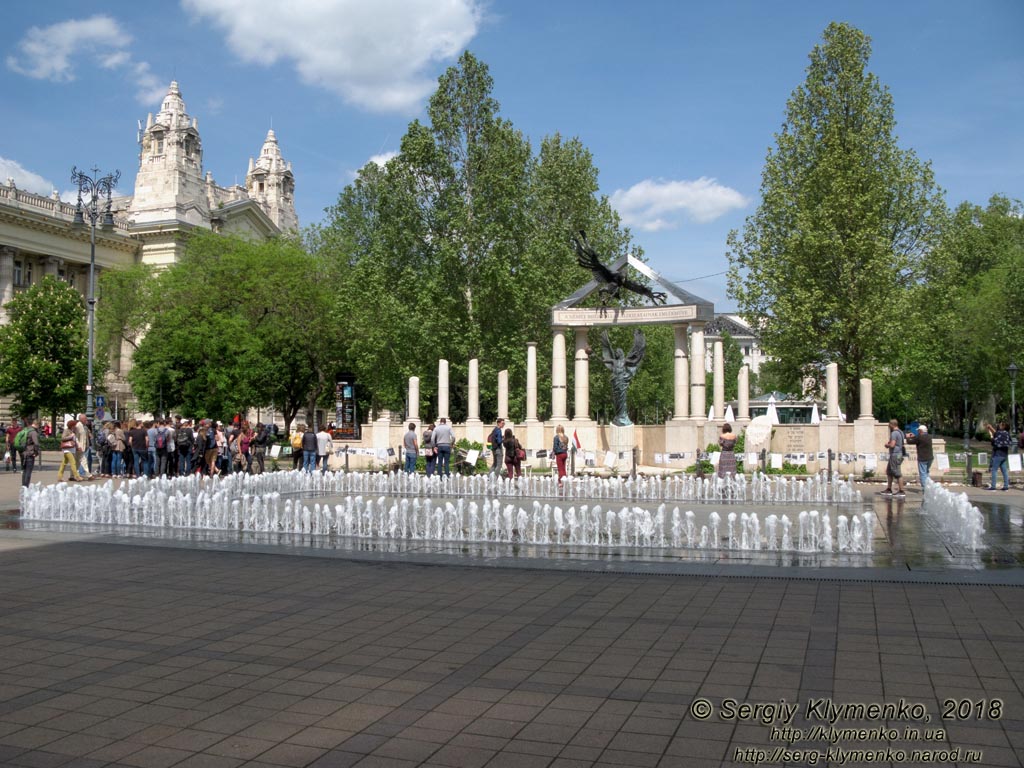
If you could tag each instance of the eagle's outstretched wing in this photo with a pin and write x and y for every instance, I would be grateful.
(587, 258)
(656, 297)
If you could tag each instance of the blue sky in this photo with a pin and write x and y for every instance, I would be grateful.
(678, 101)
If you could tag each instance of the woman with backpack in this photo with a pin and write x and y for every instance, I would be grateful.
(1001, 443)
(514, 454)
(31, 451)
(560, 449)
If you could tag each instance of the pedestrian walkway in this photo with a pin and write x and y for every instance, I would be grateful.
(116, 654)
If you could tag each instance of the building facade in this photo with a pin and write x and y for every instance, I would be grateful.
(172, 196)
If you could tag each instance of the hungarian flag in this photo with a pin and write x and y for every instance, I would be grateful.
(576, 441)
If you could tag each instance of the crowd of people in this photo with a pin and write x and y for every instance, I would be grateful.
(162, 447)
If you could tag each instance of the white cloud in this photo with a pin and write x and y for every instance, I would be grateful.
(382, 158)
(655, 204)
(375, 54)
(53, 52)
(23, 178)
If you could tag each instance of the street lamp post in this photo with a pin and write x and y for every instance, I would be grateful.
(966, 387)
(1012, 370)
(93, 188)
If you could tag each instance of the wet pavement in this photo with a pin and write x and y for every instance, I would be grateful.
(213, 651)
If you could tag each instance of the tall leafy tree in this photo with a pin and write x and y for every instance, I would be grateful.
(44, 348)
(459, 247)
(825, 266)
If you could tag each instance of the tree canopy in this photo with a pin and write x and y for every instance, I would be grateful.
(44, 347)
(458, 248)
(825, 267)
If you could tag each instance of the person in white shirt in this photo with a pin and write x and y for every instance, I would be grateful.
(324, 446)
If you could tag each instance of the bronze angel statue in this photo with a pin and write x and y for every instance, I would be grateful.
(623, 368)
(612, 283)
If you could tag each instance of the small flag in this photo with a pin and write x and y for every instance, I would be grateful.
(576, 440)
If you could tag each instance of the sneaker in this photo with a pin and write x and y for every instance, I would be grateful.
(886, 493)
(1005, 489)
(900, 494)
(990, 488)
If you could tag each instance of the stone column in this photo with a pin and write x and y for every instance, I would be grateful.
(744, 392)
(719, 381)
(681, 405)
(866, 404)
(442, 389)
(414, 398)
(698, 374)
(531, 381)
(581, 378)
(832, 391)
(473, 410)
(474, 427)
(558, 377)
(7, 279)
(503, 395)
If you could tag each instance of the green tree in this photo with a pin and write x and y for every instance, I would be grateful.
(44, 349)
(459, 247)
(237, 324)
(824, 268)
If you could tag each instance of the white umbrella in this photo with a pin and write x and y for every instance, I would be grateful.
(729, 414)
(711, 413)
(758, 431)
(815, 416)
(773, 414)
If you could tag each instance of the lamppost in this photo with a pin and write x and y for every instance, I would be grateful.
(93, 188)
(1012, 370)
(967, 387)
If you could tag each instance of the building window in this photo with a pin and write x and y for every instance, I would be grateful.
(160, 144)
(261, 187)
(17, 272)
(28, 273)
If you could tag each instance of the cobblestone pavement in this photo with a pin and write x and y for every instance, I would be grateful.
(116, 654)
(119, 655)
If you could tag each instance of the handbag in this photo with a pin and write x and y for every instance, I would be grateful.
(68, 445)
(520, 454)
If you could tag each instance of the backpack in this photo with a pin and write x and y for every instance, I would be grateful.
(21, 439)
(183, 437)
(297, 441)
(161, 439)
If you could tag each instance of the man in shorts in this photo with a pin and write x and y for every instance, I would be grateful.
(893, 469)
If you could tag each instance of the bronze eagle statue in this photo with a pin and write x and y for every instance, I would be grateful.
(612, 283)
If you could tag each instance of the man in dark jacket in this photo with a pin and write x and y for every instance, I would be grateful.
(28, 458)
(925, 453)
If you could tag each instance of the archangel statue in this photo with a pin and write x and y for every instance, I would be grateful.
(623, 368)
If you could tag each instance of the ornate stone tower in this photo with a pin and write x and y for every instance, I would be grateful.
(170, 185)
(270, 183)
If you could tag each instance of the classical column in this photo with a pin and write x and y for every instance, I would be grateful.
(698, 373)
(442, 389)
(681, 406)
(866, 405)
(473, 410)
(832, 391)
(6, 278)
(558, 377)
(581, 378)
(719, 381)
(743, 385)
(531, 381)
(474, 427)
(414, 398)
(503, 395)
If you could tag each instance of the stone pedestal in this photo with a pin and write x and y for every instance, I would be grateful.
(622, 440)
(681, 437)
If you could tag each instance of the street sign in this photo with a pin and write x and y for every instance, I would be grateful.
(100, 401)
(101, 414)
